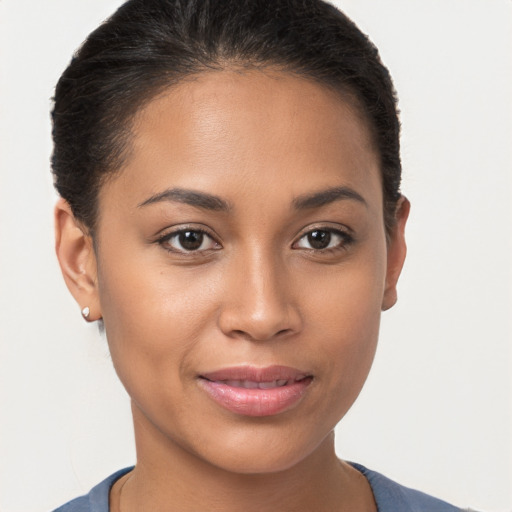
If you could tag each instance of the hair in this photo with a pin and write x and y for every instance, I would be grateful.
(147, 46)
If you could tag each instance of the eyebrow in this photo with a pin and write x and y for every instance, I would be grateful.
(190, 197)
(215, 203)
(325, 197)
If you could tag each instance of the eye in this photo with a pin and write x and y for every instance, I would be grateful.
(322, 239)
(187, 241)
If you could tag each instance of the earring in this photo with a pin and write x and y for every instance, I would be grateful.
(86, 312)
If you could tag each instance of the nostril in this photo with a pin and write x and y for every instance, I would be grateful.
(259, 320)
(254, 336)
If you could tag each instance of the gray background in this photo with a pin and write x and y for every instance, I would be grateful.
(436, 411)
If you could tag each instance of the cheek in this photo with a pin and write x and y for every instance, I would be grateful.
(154, 319)
(346, 313)
(161, 321)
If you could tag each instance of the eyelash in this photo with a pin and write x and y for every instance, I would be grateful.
(345, 239)
(166, 239)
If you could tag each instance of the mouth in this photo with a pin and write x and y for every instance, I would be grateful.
(252, 391)
(251, 384)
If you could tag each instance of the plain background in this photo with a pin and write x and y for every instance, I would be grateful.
(436, 410)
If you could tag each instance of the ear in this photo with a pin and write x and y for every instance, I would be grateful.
(397, 250)
(77, 259)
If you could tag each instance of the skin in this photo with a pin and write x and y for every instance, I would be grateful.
(256, 293)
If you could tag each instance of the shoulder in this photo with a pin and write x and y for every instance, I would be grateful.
(97, 499)
(389, 496)
(393, 497)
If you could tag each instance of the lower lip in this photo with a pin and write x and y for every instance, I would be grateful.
(256, 402)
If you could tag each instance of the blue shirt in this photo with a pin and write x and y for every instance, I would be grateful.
(389, 496)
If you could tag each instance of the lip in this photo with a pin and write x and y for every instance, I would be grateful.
(250, 391)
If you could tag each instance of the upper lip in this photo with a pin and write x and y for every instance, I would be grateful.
(254, 374)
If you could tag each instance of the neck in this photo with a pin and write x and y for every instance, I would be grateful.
(168, 477)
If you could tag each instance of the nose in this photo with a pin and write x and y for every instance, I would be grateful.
(259, 301)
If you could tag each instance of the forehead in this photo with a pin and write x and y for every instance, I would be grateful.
(224, 127)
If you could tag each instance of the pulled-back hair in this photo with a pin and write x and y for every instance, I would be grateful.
(150, 45)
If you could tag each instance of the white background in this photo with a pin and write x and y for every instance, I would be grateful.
(436, 411)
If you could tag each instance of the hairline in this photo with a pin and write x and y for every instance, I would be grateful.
(127, 130)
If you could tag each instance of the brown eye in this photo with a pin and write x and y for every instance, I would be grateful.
(188, 240)
(321, 239)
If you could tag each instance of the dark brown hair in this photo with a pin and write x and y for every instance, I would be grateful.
(149, 45)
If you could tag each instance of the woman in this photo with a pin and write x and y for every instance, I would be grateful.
(230, 212)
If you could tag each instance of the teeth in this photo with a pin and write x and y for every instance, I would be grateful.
(267, 385)
(249, 384)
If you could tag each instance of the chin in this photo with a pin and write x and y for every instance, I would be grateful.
(252, 452)
(244, 463)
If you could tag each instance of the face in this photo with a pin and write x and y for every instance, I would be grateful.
(242, 266)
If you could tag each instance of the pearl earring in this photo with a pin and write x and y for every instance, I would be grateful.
(86, 312)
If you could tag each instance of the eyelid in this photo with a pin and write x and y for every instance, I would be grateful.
(341, 230)
(325, 226)
(186, 226)
(169, 232)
